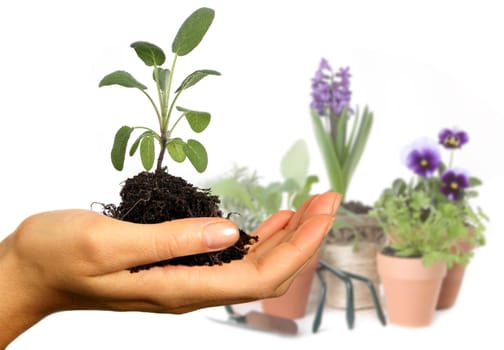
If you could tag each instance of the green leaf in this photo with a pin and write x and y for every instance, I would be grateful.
(195, 77)
(341, 132)
(175, 149)
(192, 31)
(333, 167)
(474, 181)
(294, 164)
(357, 148)
(147, 152)
(231, 188)
(118, 152)
(198, 121)
(304, 194)
(197, 155)
(271, 198)
(163, 76)
(121, 78)
(149, 53)
(135, 144)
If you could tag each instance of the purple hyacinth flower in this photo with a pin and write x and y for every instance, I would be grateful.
(453, 184)
(423, 157)
(451, 138)
(331, 90)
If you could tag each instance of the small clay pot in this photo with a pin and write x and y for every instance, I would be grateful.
(293, 303)
(451, 287)
(411, 290)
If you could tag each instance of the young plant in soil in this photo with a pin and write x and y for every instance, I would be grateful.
(157, 196)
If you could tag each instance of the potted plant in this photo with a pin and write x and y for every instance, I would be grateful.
(428, 220)
(242, 192)
(342, 134)
(157, 196)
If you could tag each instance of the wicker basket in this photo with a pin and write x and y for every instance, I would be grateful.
(360, 261)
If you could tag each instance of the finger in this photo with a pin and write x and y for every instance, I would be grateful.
(300, 212)
(325, 203)
(281, 235)
(120, 245)
(272, 226)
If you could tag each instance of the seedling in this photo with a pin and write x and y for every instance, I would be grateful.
(188, 37)
(154, 197)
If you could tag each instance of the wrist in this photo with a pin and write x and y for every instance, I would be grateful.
(20, 305)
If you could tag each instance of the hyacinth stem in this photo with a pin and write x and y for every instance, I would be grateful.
(333, 126)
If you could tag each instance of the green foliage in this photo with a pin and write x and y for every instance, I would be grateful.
(188, 37)
(192, 31)
(421, 222)
(342, 145)
(243, 193)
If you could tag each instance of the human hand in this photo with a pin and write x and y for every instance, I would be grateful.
(76, 259)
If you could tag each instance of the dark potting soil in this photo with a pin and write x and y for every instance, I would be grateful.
(356, 207)
(155, 197)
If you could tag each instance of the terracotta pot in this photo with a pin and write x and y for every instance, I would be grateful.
(451, 287)
(411, 290)
(292, 304)
(360, 261)
(453, 281)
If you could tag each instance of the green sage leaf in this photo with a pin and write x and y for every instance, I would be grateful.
(163, 76)
(270, 198)
(232, 188)
(295, 162)
(175, 148)
(198, 121)
(150, 54)
(197, 155)
(192, 31)
(118, 152)
(135, 144)
(147, 152)
(195, 77)
(121, 78)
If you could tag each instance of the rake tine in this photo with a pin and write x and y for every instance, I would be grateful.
(320, 306)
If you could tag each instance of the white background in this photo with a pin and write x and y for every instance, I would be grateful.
(420, 66)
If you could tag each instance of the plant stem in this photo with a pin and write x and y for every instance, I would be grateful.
(165, 117)
(166, 111)
(333, 129)
(450, 164)
(153, 104)
(162, 151)
(160, 95)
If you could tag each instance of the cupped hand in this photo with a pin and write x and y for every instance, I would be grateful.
(77, 259)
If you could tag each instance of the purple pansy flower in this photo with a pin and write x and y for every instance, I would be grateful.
(331, 90)
(453, 183)
(423, 157)
(451, 138)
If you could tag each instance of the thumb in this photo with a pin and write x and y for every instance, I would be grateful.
(138, 244)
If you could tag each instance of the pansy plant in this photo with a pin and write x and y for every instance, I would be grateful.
(187, 38)
(430, 214)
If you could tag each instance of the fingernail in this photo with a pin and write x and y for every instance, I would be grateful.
(327, 203)
(336, 203)
(220, 234)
